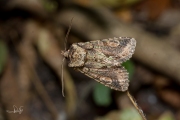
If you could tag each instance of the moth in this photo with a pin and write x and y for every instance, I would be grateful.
(102, 60)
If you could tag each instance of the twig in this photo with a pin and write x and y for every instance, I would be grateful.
(136, 106)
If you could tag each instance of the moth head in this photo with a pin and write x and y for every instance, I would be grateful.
(76, 55)
(65, 53)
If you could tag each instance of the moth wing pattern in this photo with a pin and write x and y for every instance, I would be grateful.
(121, 48)
(101, 60)
(115, 78)
(110, 52)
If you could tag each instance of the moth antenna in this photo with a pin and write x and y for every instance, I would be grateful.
(62, 82)
(62, 67)
(67, 34)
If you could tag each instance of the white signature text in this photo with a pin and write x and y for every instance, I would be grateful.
(16, 110)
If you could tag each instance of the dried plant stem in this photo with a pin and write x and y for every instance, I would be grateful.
(136, 106)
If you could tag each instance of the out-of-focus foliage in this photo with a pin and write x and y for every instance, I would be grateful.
(167, 116)
(125, 114)
(3, 55)
(50, 5)
(37, 29)
(129, 67)
(116, 3)
(130, 114)
(102, 95)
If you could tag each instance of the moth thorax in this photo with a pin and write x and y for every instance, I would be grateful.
(65, 53)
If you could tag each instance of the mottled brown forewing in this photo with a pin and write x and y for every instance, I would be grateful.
(115, 78)
(102, 59)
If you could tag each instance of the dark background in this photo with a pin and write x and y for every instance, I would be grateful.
(32, 36)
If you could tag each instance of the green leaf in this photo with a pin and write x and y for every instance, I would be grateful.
(102, 95)
(3, 55)
(167, 116)
(130, 114)
(50, 5)
(130, 68)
